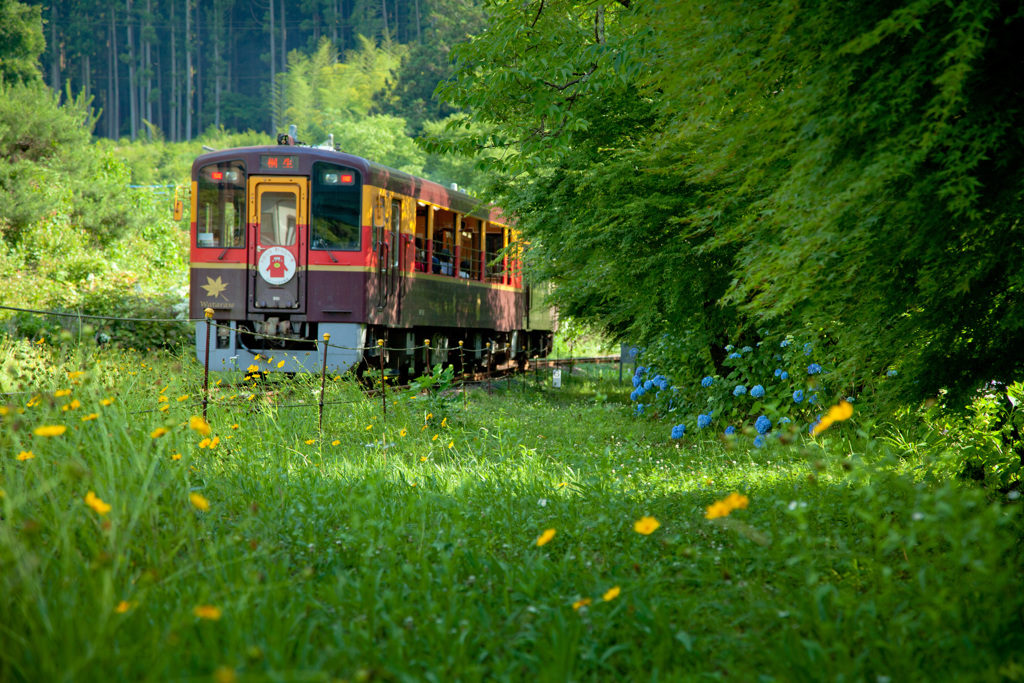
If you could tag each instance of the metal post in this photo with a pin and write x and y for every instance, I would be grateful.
(426, 355)
(488, 366)
(323, 383)
(383, 388)
(206, 363)
(462, 367)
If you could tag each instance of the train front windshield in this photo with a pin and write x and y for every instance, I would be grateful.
(335, 215)
(220, 216)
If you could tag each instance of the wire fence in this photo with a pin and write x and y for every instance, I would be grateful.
(489, 348)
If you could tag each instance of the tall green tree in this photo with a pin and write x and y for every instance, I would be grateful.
(21, 41)
(856, 167)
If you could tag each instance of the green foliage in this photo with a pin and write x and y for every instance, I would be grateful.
(432, 392)
(21, 42)
(381, 139)
(322, 95)
(853, 167)
(844, 565)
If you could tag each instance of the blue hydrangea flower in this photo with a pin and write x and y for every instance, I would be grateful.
(639, 370)
(798, 395)
(758, 441)
(784, 344)
(661, 382)
(757, 391)
(648, 385)
(678, 431)
(784, 421)
(639, 410)
(703, 421)
(640, 391)
(707, 381)
(746, 349)
(735, 355)
(813, 369)
(778, 371)
(739, 390)
(730, 430)
(729, 347)
(784, 375)
(637, 381)
(891, 373)
(634, 396)
(762, 424)
(850, 399)
(812, 399)
(778, 357)
(808, 348)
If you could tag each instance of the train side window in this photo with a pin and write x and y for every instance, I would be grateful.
(220, 205)
(335, 214)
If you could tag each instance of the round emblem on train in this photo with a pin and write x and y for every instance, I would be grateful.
(277, 265)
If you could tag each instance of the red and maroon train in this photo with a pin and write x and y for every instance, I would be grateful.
(290, 242)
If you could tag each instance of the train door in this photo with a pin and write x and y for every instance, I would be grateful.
(277, 211)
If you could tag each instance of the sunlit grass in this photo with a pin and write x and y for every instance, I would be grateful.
(543, 534)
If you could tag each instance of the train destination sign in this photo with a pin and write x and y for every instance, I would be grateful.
(279, 162)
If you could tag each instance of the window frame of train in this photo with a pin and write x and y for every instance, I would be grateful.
(232, 184)
(323, 202)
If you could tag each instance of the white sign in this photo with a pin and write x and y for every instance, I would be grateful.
(277, 265)
(556, 378)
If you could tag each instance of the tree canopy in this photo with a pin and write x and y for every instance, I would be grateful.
(751, 169)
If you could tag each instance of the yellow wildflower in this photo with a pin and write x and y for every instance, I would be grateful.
(90, 416)
(722, 508)
(182, 398)
(96, 504)
(252, 369)
(217, 383)
(402, 433)
(162, 399)
(175, 456)
(205, 442)
(213, 444)
(369, 427)
(444, 422)
(76, 374)
(106, 401)
(837, 413)
(646, 525)
(581, 603)
(545, 537)
(164, 409)
(611, 593)
(335, 442)
(34, 401)
(25, 455)
(4, 410)
(207, 611)
(423, 428)
(430, 415)
(310, 442)
(281, 364)
(200, 425)
(50, 430)
(164, 389)
(423, 458)
(435, 437)
(234, 426)
(158, 432)
(74, 405)
(62, 393)
(200, 503)
(124, 606)
(451, 444)
(40, 342)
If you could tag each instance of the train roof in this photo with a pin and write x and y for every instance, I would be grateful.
(373, 173)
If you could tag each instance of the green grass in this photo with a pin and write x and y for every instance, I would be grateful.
(372, 555)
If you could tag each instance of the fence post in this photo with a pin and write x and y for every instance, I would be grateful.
(383, 387)
(208, 312)
(323, 383)
(426, 355)
(488, 367)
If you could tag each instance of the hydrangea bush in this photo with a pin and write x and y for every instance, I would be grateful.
(781, 385)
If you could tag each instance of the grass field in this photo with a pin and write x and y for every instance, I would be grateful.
(416, 546)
